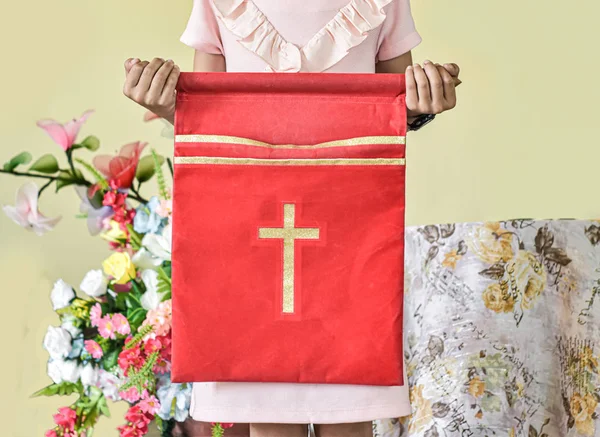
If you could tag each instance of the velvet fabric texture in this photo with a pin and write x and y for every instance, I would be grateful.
(288, 228)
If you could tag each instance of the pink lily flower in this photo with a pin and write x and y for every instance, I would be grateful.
(26, 213)
(121, 168)
(64, 134)
(149, 116)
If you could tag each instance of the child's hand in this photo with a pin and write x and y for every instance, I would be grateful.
(152, 85)
(431, 89)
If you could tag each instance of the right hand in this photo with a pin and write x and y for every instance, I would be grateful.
(152, 85)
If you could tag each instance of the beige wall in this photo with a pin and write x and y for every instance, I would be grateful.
(522, 142)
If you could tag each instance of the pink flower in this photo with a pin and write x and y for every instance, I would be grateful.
(121, 168)
(223, 425)
(150, 405)
(95, 315)
(51, 433)
(93, 349)
(121, 324)
(136, 415)
(165, 208)
(66, 418)
(64, 134)
(160, 319)
(162, 367)
(149, 115)
(106, 328)
(133, 395)
(26, 213)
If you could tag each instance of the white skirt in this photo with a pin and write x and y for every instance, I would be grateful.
(236, 402)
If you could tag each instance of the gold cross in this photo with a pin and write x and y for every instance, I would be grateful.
(289, 233)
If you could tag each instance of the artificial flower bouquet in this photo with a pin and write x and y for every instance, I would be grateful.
(114, 339)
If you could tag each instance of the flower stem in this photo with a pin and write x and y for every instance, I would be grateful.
(137, 196)
(46, 185)
(41, 176)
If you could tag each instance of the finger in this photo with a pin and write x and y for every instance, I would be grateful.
(453, 69)
(457, 81)
(436, 86)
(412, 96)
(160, 78)
(171, 84)
(423, 90)
(134, 75)
(146, 79)
(449, 87)
(130, 63)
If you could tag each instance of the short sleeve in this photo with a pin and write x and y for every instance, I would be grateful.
(398, 33)
(202, 30)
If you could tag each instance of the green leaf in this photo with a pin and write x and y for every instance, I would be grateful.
(46, 164)
(62, 389)
(21, 158)
(110, 360)
(91, 143)
(67, 178)
(147, 168)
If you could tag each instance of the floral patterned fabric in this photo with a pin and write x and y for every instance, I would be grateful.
(502, 330)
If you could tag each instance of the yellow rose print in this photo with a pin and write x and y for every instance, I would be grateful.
(496, 298)
(527, 276)
(422, 413)
(582, 409)
(476, 387)
(451, 259)
(491, 243)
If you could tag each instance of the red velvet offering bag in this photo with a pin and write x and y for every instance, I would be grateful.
(288, 228)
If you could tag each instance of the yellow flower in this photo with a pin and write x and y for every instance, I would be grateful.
(496, 298)
(527, 275)
(476, 387)
(422, 413)
(115, 234)
(491, 243)
(582, 409)
(451, 259)
(520, 389)
(511, 433)
(120, 267)
(588, 359)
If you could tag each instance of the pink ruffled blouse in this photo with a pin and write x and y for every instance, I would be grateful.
(347, 36)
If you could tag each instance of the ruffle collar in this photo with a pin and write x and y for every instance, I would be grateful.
(348, 28)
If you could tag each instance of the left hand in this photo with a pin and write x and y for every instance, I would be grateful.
(431, 89)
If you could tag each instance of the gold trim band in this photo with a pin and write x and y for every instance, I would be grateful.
(224, 139)
(307, 162)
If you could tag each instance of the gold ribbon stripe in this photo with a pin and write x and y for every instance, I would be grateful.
(308, 162)
(224, 139)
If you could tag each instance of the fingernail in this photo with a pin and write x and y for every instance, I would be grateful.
(169, 60)
(426, 61)
(416, 65)
(134, 61)
(409, 68)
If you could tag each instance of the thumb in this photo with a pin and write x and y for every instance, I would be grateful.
(130, 63)
(453, 69)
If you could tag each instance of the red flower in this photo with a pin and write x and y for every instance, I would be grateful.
(66, 418)
(51, 433)
(129, 431)
(121, 168)
(130, 358)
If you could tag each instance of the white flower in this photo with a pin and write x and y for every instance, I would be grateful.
(63, 370)
(70, 371)
(109, 383)
(150, 299)
(54, 370)
(144, 260)
(94, 283)
(57, 342)
(89, 375)
(67, 324)
(62, 295)
(159, 245)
